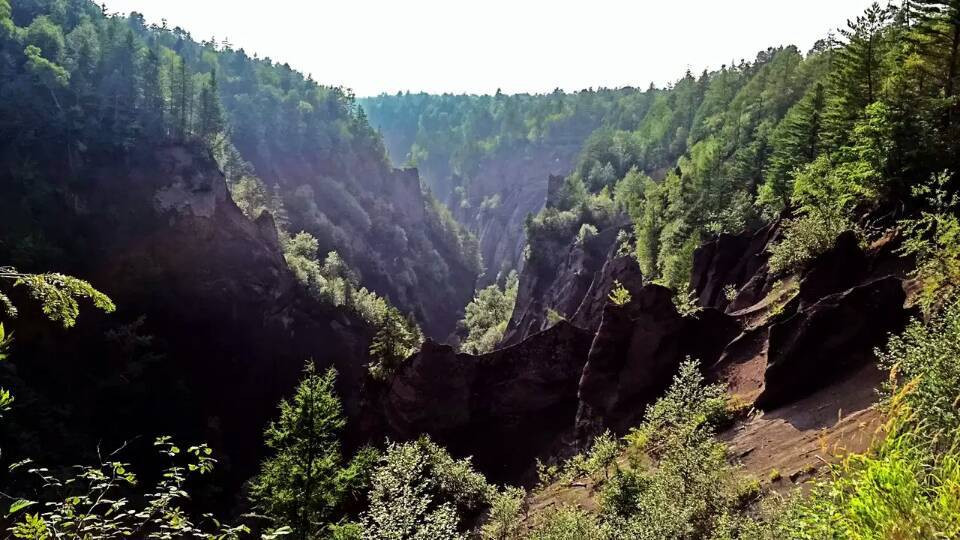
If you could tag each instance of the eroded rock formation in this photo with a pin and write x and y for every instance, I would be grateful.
(636, 352)
(505, 408)
(208, 311)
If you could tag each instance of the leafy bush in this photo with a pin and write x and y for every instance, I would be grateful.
(924, 356)
(587, 231)
(420, 492)
(686, 302)
(93, 503)
(619, 295)
(687, 404)
(934, 239)
(908, 485)
(504, 521)
(554, 316)
(603, 453)
(487, 315)
(806, 237)
(901, 489)
(680, 484)
(569, 523)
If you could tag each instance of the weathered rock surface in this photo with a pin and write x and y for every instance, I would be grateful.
(379, 220)
(225, 327)
(563, 288)
(636, 352)
(504, 407)
(623, 270)
(734, 260)
(829, 337)
(507, 187)
(839, 268)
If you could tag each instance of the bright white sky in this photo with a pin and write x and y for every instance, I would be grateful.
(477, 46)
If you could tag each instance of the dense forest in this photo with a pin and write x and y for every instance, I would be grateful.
(235, 303)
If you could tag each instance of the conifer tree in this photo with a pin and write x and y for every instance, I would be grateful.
(938, 29)
(211, 119)
(857, 74)
(297, 485)
(796, 142)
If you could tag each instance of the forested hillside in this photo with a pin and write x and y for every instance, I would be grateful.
(84, 82)
(243, 217)
(722, 309)
(489, 157)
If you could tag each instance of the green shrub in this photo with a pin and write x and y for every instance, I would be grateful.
(925, 356)
(569, 523)
(487, 315)
(806, 237)
(587, 231)
(619, 295)
(506, 513)
(934, 239)
(420, 492)
(94, 502)
(554, 316)
(686, 301)
(680, 484)
(603, 454)
(908, 486)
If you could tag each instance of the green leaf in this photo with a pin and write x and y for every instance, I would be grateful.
(19, 505)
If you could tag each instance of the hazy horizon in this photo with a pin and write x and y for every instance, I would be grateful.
(530, 47)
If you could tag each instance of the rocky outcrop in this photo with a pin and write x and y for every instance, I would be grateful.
(837, 269)
(212, 328)
(562, 289)
(732, 260)
(829, 337)
(505, 408)
(621, 269)
(636, 352)
(384, 226)
(506, 188)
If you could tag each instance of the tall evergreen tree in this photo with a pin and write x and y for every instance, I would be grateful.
(297, 484)
(211, 118)
(938, 27)
(857, 74)
(796, 142)
(153, 98)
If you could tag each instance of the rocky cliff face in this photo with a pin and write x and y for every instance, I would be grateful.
(506, 188)
(505, 408)
(383, 225)
(211, 329)
(636, 352)
(576, 289)
(780, 339)
(805, 331)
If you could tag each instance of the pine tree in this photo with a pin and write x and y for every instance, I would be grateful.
(297, 485)
(211, 119)
(858, 70)
(180, 89)
(938, 38)
(154, 103)
(796, 142)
